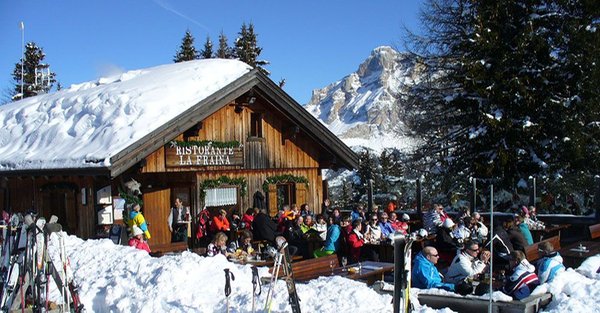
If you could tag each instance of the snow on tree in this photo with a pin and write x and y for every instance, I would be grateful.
(247, 49)
(36, 75)
(224, 51)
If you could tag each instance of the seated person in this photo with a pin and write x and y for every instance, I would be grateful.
(137, 241)
(355, 241)
(523, 279)
(295, 237)
(424, 273)
(263, 228)
(519, 221)
(550, 264)
(247, 219)
(467, 263)
(384, 224)
(515, 235)
(478, 230)
(332, 243)
(445, 242)
(243, 243)
(321, 226)
(218, 245)
(308, 223)
(220, 223)
(373, 233)
(397, 225)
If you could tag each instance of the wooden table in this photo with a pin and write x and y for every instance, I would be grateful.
(573, 257)
(371, 271)
(549, 231)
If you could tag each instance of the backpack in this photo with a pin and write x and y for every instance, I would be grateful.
(203, 223)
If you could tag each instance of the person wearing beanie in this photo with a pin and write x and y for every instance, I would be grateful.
(550, 264)
(137, 241)
(137, 219)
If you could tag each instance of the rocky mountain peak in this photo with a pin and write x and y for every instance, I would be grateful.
(367, 105)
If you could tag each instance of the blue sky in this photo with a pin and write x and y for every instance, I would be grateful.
(309, 43)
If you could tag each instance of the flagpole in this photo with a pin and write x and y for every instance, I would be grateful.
(22, 26)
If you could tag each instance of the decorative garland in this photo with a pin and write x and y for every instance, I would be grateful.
(203, 143)
(129, 198)
(223, 180)
(283, 179)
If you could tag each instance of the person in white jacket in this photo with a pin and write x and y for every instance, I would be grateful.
(468, 263)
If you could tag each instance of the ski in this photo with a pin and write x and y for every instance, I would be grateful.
(402, 272)
(288, 274)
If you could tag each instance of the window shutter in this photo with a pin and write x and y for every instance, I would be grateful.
(272, 199)
(300, 193)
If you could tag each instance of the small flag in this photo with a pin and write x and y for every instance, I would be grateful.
(22, 26)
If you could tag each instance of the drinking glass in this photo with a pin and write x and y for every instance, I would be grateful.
(344, 262)
(331, 265)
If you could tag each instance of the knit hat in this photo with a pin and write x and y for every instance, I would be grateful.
(448, 223)
(524, 210)
(137, 231)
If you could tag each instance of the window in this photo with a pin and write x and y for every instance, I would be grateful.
(256, 125)
(286, 194)
(221, 196)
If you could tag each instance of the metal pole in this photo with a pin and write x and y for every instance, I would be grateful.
(23, 60)
(474, 201)
(419, 197)
(534, 191)
(370, 196)
(491, 246)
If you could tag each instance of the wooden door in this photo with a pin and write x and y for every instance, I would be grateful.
(63, 204)
(157, 204)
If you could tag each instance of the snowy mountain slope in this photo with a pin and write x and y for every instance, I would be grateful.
(365, 107)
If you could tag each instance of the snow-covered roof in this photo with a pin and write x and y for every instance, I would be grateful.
(87, 124)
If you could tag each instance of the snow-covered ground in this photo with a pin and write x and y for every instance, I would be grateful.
(116, 278)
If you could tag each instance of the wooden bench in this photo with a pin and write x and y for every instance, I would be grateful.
(313, 268)
(594, 231)
(532, 253)
(531, 304)
(159, 250)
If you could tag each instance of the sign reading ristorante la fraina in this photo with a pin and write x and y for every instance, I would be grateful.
(203, 153)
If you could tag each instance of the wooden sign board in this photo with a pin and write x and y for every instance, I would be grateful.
(193, 155)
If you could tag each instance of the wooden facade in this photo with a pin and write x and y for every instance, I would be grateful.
(275, 138)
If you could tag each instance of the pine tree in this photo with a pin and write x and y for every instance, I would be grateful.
(224, 51)
(187, 51)
(207, 51)
(497, 103)
(247, 49)
(37, 77)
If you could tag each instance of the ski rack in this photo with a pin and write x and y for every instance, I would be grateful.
(283, 261)
(26, 267)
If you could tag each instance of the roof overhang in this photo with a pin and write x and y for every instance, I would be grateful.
(291, 109)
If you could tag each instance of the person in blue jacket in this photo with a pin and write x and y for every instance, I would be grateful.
(550, 264)
(424, 273)
(385, 225)
(332, 243)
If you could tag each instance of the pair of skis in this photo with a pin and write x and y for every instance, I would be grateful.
(13, 259)
(283, 261)
(402, 271)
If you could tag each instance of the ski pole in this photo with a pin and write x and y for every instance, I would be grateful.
(228, 276)
(276, 269)
(255, 286)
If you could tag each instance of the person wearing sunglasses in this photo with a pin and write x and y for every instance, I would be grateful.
(425, 275)
(468, 263)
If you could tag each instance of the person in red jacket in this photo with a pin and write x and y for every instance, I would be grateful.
(248, 218)
(220, 222)
(137, 241)
(355, 241)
